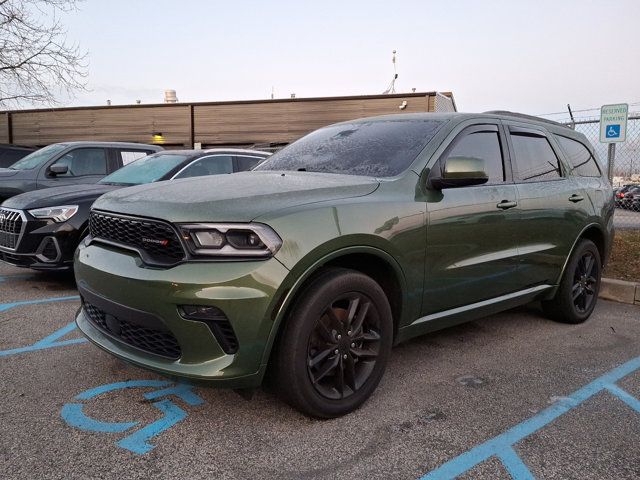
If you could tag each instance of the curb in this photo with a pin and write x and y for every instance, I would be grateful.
(620, 291)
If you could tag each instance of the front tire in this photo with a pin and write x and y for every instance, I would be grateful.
(577, 293)
(335, 345)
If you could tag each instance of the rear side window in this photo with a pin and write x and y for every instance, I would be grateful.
(535, 159)
(484, 145)
(246, 163)
(582, 162)
(129, 156)
(215, 165)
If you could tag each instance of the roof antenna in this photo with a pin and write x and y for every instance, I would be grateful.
(573, 120)
(392, 86)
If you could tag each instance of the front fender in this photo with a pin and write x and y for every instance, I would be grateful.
(299, 275)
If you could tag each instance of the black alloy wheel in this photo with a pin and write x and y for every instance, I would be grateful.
(577, 294)
(344, 346)
(335, 344)
(585, 280)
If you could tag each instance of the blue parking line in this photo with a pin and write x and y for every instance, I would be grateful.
(514, 464)
(49, 341)
(8, 306)
(501, 446)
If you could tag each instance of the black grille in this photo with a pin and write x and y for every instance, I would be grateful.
(10, 228)
(225, 335)
(150, 340)
(217, 322)
(156, 241)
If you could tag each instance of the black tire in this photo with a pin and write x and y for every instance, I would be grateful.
(341, 311)
(577, 293)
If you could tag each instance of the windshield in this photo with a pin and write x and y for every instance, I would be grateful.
(38, 158)
(380, 148)
(145, 170)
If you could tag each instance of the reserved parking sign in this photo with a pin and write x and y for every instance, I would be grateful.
(613, 123)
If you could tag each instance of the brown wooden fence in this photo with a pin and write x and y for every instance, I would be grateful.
(260, 122)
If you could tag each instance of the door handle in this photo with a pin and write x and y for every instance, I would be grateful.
(576, 198)
(506, 204)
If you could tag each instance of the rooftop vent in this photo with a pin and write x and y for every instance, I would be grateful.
(170, 96)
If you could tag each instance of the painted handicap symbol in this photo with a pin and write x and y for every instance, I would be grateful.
(613, 131)
(138, 441)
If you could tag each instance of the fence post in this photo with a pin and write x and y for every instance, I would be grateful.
(611, 158)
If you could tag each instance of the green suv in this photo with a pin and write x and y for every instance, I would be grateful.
(356, 237)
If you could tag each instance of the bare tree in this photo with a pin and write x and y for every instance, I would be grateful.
(36, 62)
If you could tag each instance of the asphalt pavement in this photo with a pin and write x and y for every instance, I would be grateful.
(509, 396)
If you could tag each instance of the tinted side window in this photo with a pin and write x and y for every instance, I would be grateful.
(246, 163)
(484, 145)
(208, 166)
(534, 157)
(84, 161)
(582, 162)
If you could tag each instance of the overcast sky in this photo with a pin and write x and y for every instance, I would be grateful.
(529, 56)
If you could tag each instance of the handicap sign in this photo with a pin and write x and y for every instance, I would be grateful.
(613, 123)
(613, 131)
(138, 441)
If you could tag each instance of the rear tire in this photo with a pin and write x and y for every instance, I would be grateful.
(577, 293)
(335, 345)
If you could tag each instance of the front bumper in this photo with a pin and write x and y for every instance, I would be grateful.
(246, 291)
(43, 245)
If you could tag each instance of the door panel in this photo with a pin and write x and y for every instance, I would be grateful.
(554, 207)
(550, 225)
(472, 231)
(472, 250)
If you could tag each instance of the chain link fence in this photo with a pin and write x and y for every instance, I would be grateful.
(626, 169)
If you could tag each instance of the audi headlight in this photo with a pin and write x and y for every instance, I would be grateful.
(57, 214)
(231, 239)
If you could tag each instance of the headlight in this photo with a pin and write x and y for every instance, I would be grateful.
(57, 214)
(231, 239)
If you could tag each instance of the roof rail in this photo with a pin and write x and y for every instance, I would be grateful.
(507, 113)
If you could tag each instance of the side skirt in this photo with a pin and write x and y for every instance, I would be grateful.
(466, 313)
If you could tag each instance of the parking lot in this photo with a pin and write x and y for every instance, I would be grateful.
(510, 396)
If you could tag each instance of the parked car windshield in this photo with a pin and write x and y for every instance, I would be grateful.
(145, 170)
(38, 158)
(380, 148)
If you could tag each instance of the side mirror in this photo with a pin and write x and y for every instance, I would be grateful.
(58, 169)
(460, 172)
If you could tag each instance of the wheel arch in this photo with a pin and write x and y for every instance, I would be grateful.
(595, 233)
(371, 261)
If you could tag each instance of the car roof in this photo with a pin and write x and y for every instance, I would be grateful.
(237, 150)
(84, 143)
(192, 154)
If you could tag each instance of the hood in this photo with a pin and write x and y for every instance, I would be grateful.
(238, 197)
(51, 197)
(7, 172)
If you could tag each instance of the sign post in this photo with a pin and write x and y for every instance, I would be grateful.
(613, 129)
